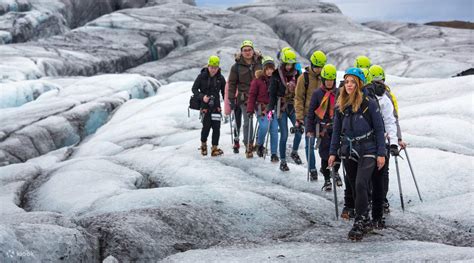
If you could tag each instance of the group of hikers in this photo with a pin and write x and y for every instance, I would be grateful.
(355, 121)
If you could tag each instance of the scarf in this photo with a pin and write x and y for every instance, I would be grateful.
(328, 100)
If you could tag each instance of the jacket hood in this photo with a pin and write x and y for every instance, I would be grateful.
(257, 57)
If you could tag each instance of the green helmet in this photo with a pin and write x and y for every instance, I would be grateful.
(288, 56)
(362, 62)
(213, 61)
(377, 72)
(329, 72)
(318, 59)
(367, 75)
(246, 43)
(267, 60)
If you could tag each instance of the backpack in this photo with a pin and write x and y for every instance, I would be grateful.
(194, 102)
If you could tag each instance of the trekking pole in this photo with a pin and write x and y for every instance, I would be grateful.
(308, 139)
(254, 135)
(333, 175)
(399, 183)
(266, 139)
(412, 173)
(249, 135)
(231, 129)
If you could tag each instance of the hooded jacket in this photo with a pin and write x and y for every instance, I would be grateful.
(241, 75)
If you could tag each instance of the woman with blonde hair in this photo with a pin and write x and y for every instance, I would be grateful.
(358, 137)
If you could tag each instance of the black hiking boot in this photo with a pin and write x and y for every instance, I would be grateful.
(347, 213)
(296, 158)
(284, 166)
(327, 186)
(260, 150)
(236, 146)
(274, 158)
(362, 226)
(386, 208)
(378, 223)
(313, 175)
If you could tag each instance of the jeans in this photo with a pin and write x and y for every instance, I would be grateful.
(289, 113)
(262, 132)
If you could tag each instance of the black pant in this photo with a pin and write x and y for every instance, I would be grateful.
(378, 190)
(207, 124)
(325, 171)
(359, 175)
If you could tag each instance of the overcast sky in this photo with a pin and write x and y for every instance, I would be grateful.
(420, 11)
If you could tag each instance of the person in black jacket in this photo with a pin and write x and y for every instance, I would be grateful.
(207, 86)
(358, 136)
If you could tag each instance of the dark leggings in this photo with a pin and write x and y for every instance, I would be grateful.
(359, 175)
(207, 124)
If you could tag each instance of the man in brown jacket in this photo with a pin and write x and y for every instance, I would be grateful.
(307, 83)
(247, 61)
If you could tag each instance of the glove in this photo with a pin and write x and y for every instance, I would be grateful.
(270, 115)
(394, 150)
(232, 104)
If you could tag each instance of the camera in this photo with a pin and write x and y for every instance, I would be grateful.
(299, 129)
(211, 102)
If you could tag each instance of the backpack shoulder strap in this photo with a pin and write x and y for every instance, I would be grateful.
(236, 68)
(364, 107)
(306, 80)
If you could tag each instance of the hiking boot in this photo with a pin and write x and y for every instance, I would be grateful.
(378, 223)
(313, 175)
(362, 226)
(203, 148)
(386, 208)
(284, 166)
(347, 213)
(260, 150)
(236, 146)
(215, 151)
(274, 158)
(249, 151)
(296, 158)
(338, 179)
(327, 186)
